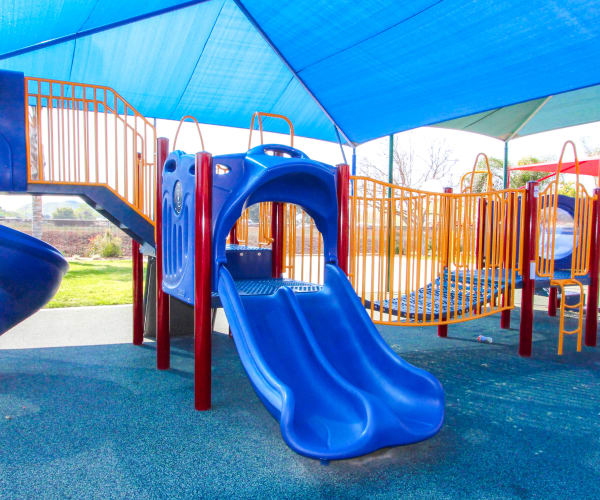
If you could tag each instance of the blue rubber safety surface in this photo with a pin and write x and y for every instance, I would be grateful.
(102, 422)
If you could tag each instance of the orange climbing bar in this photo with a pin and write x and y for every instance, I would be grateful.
(260, 115)
(188, 117)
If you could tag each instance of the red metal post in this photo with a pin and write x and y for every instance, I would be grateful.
(138, 298)
(505, 314)
(277, 236)
(552, 301)
(163, 346)
(443, 329)
(202, 283)
(591, 316)
(528, 268)
(343, 196)
(233, 239)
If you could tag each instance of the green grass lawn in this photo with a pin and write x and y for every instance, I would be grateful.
(94, 283)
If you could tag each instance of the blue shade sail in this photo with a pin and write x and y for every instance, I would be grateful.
(371, 67)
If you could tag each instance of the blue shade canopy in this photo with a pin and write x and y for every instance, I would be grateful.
(531, 117)
(371, 67)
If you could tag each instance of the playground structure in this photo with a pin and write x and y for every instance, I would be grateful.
(412, 257)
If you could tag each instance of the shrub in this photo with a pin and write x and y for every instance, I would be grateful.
(105, 245)
(63, 213)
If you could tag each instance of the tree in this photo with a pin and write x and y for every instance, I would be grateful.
(84, 212)
(591, 150)
(7, 213)
(480, 182)
(567, 188)
(412, 168)
(63, 213)
(520, 178)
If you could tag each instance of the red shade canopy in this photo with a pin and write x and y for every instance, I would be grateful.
(586, 167)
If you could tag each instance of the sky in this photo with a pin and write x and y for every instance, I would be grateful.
(464, 148)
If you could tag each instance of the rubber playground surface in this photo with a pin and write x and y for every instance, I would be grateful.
(101, 422)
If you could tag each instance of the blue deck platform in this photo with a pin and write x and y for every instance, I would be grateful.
(267, 286)
(458, 296)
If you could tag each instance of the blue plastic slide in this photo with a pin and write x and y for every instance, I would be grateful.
(321, 368)
(30, 274)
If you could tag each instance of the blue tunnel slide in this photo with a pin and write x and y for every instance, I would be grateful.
(30, 274)
(315, 358)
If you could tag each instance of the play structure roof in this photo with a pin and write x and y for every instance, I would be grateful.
(586, 167)
(372, 67)
(531, 117)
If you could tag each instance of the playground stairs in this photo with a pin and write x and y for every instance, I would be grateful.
(106, 203)
(73, 139)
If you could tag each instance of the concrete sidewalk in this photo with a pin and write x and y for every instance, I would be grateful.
(79, 326)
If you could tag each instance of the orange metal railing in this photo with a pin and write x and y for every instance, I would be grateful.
(547, 229)
(412, 251)
(80, 134)
(303, 257)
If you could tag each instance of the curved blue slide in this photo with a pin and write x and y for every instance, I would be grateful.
(30, 273)
(321, 368)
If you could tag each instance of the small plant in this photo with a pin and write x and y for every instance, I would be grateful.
(106, 245)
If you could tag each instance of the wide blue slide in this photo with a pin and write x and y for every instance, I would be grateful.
(321, 368)
(30, 273)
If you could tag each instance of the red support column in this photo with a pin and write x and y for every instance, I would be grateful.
(277, 236)
(163, 347)
(552, 301)
(443, 329)
(233, 239)
(138, 297)
(528, 268)
(343, 196)
(591, 317)
(202, 283)
(505, 314)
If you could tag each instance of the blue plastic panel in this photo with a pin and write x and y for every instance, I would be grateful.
(246, 263)
(252, 177)
(13, 150)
